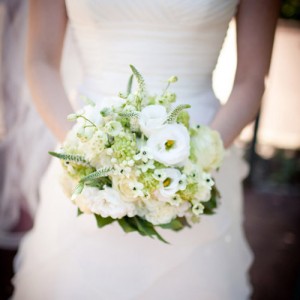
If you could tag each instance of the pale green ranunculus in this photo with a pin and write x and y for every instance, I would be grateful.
(207, 148)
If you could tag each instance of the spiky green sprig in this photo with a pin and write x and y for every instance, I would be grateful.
(139, 78)
(74, 158)
(103, 172)
(129, 114)
(172, 116)
(141, 92)
(129, 85)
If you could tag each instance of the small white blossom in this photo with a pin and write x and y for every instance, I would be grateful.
(122, 171)
(147, 165)
(160, 174)
(198, 209)
(137, 189)
(144, 154)
(130, 163)
(175, 200)
(182, 182)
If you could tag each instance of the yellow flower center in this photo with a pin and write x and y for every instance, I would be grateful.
(169, 144)
(167, 182)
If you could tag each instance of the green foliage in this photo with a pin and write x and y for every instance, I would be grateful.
(101, 222)
(176, 224)
(211, 205)
(141, 226)
(189, 193)
(184, 118)
(100, 183)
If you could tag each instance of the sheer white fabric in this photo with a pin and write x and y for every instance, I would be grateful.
(23, 148)
(68, 257)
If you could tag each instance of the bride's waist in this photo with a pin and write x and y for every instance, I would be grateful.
(199, 95)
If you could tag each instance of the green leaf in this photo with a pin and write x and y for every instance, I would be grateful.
(74, 158)
(79, 212)
(146, 228)
(103, 172)
(101, 222)
(175, 225)
(126, 225)
(100, 183)
(77, 191)
(172, 117)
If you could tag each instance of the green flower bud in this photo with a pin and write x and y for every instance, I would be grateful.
(173, 79)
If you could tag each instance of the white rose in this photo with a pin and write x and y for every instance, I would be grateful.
(123, 184)
(108, 203)
(85, 199)
(163, 213)
(171, 145)
(152, 118)
(207, 148)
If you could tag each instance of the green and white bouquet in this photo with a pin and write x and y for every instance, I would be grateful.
(140, 163)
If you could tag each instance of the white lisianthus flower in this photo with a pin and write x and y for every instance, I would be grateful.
(108, 203)
(152, 119)
(207, 148)
(170, 146)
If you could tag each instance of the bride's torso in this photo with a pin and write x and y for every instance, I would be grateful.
(160, 37)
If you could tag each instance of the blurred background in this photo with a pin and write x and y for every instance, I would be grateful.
(271, 145)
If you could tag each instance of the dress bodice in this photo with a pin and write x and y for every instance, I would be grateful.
(160, 38)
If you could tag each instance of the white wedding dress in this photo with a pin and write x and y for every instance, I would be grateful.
(68, 257)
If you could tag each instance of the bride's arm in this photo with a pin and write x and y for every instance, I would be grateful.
(46, 30)
(256, 21)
